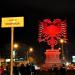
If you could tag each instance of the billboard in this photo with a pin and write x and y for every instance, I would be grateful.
(12, 22)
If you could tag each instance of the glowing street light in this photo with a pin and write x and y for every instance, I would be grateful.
(62, 42)
(29, 51)
(14, 51)
(16, 45)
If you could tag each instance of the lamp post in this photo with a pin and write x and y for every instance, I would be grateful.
(29, 51)
(62, 42)
(14, 51)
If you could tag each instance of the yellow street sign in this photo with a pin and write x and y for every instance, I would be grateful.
(12, 22)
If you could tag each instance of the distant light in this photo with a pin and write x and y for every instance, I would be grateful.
(67, 63)
(36, 67)
(7, 60)
(31, 49)
(61, 41)
(16, 59)
(59, 48)
(15, 45)
(21, 58)
(73, 58)
(14, 53)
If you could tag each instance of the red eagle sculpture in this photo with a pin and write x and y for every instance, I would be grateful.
(52, 32)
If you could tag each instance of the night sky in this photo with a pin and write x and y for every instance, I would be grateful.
(35, 11)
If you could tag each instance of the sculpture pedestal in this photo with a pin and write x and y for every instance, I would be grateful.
(52, 58)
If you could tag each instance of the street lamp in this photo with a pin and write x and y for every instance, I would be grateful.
(14, 51)
(62, 42)
(15, 45)
(29, 51)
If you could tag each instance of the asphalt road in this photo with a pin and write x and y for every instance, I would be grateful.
(50, 73)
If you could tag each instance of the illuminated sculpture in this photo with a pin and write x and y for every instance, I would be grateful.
(52, 32)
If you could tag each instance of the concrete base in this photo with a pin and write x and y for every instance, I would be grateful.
(52, 58)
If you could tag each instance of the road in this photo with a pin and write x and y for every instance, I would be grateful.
(50, 73)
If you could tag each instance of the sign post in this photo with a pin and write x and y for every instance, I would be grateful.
(11, 22)
(12, 43)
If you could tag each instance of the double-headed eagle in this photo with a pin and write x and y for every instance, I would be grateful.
(51, 32)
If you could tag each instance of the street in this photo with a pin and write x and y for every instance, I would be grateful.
(70, 72)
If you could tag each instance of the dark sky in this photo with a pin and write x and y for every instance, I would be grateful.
(33, 12)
